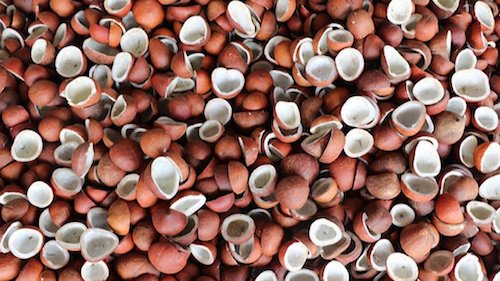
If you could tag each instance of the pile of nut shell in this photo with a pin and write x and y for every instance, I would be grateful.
(266, 140)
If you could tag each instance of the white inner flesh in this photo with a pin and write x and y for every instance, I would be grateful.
(480, 212)
(457, 105)
(266, 275)
(489, 188)
(296, 256)
(466, 59)
(101, 73)
(281, 79)
(166, 176)
(27, 146)
(240, 13)
(115, 5)
(69, 135)
(60, 34)
(97, 271)
(46, 225)
(396, 64)
(427, 162)
(69, 235)
(135, 41)
(210, 130)
(302, 275)
(202, 254)
(100, 48)
(358, 111)
(428, 90)
(97, 218)
(340, 36)
(484, 14)
(420, 184)
(193, 31)
(466, 150)
(25, 243)
(189, 204)
(350, 64)
(69, 61)
(402, 215)
(38, 50)
(218, 109)
(55, 254)
(127, 186)
(409, 26)
(409, 114)
(122, 65)
(335, 271)
(305, 50)
(4, 240)
(486, 117)
(64, 152)
(380, 252)
(6, 197)
(402, 267)
(324, 232)
(237, 225)
(262, 177)
(471, 84)
(67, 180)
(447, 5)
(358, 142)
(80, 90)
(399, 11)
(98, 243)
(227, 81)
(308, 210)
(281, 8)
(491, 160)
(468, 269)
(322, 68)
(288, 114)
(496, 221)
(40, 194)
(119, 107)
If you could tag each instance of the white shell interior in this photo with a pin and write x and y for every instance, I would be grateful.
(426, 162)
(46, 225)
(55, 254)
(288, 114)
(69, 235)
(350, 63)
(466, 150)
(64, 152)
(428, 90)
(97, 244)
(480, 212)
(489, 188)
(27, 146)
(295, 256)
(359, 112)
(402, 215)
(227, 81)
(67, 180)
(379, 253)
(122, 65)
(97, 218)
(466, 59)
(401, 267)
(397, 66)
(321, 68)
(486, 118)
(324, 232)
(490, 160)
(409, 114)
(240, 13)
(471, 84)
(421, 185)
(211, 130)
(127, 186)
(38, 50)
(25, 243)
(202, 254)
(484, 14)
(218, 109)
(399, 11)
(80, 90)
(95, 271)
(69, 61)
(135, 41)
(468, 268)
(457, 105)
(193, 31)
(358, 142)
(302, 275)
(40, 194)
(166, 176)
(261, 178)
(4, 239)
(189, 204)
(335, 271)
(266, 275)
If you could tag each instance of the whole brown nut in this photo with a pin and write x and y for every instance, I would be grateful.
(292, 192)
(42, 92)
(148, 13)
(301, 164)
(383, 186)
(448, 127)
(360, 24)
(126, 154)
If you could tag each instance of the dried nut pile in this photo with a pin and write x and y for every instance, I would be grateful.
(266, 140)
